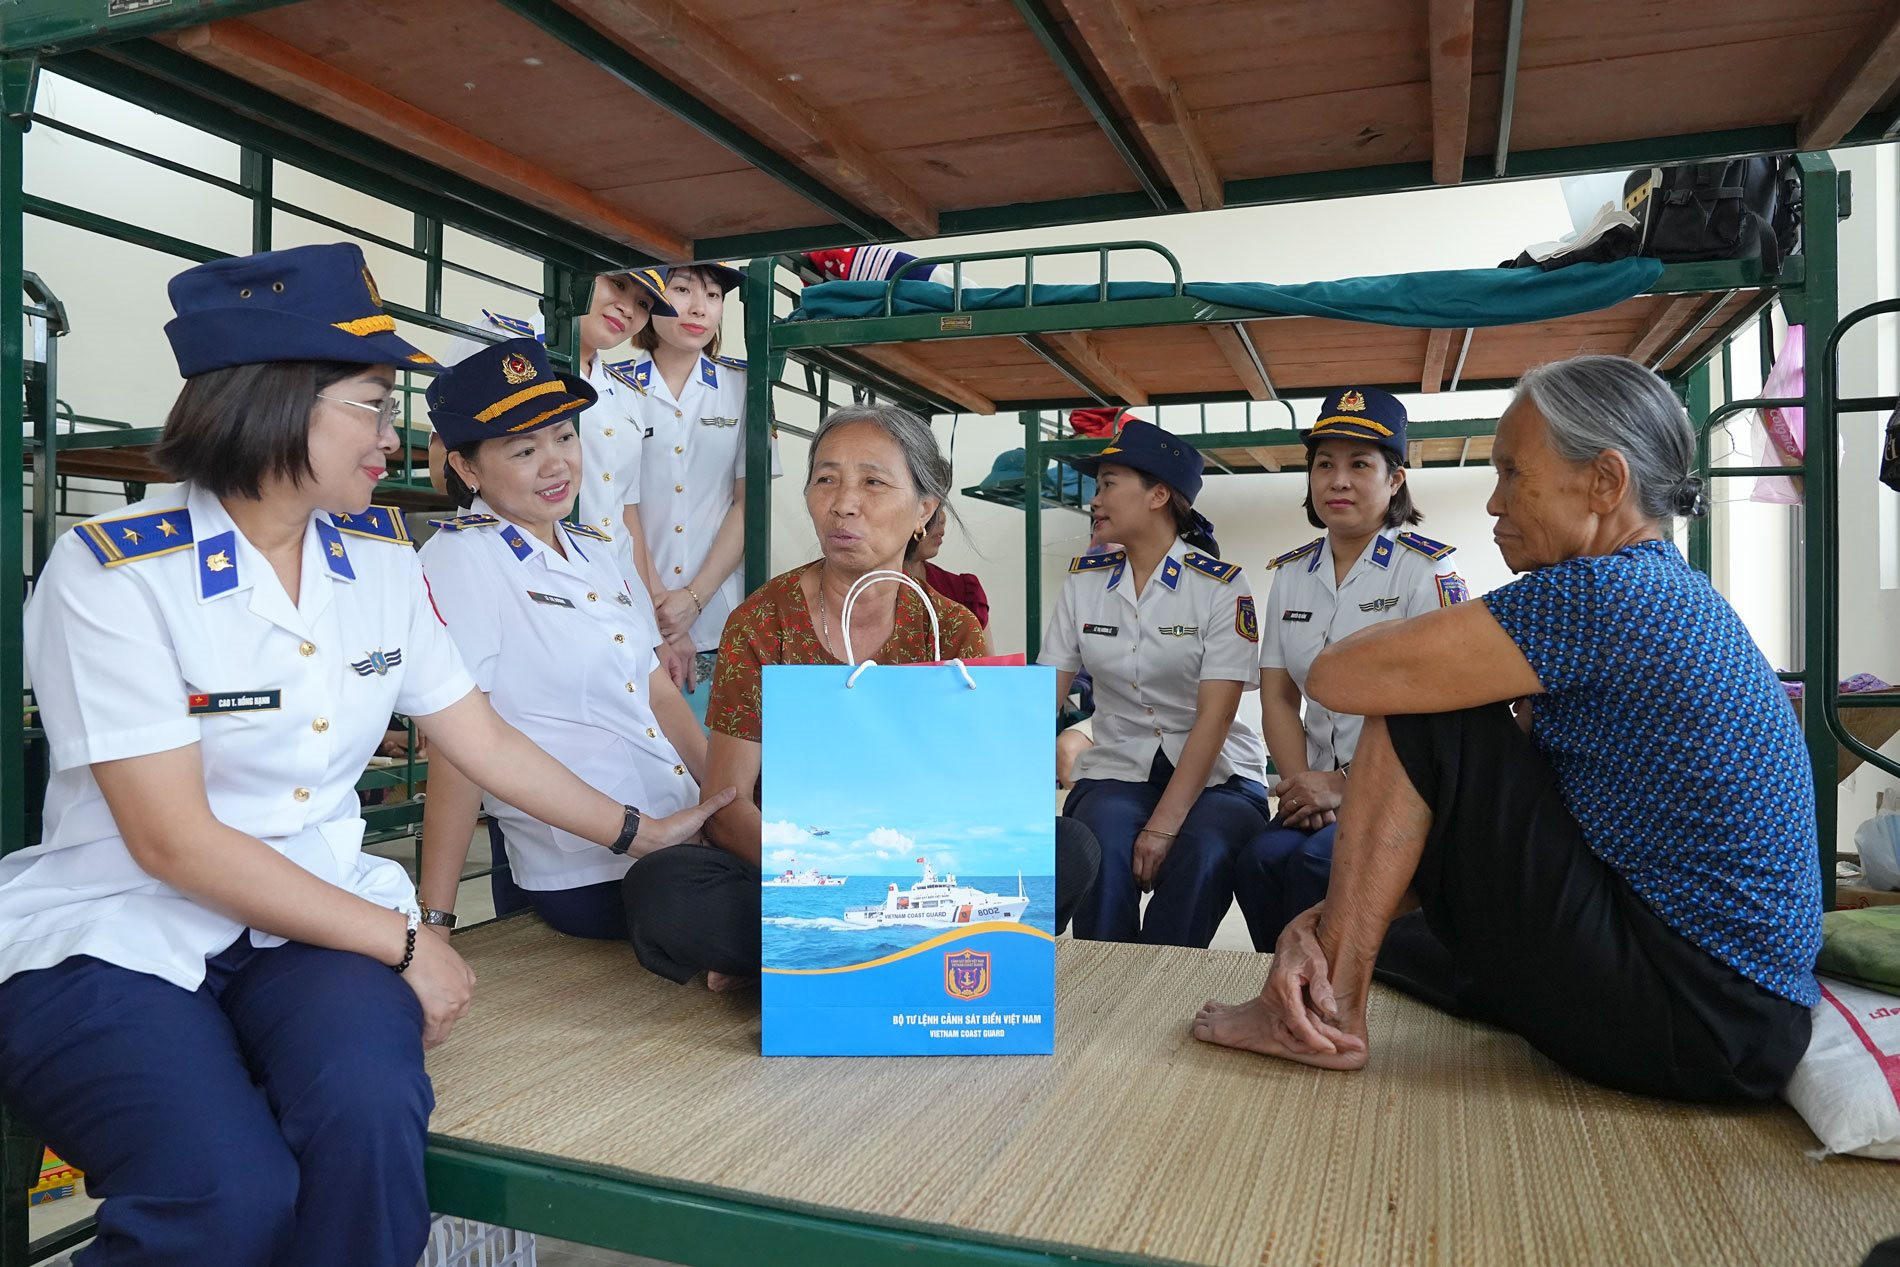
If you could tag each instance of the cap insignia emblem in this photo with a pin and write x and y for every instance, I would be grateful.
(516, 369)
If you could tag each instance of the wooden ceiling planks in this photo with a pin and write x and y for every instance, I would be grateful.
(909, 109)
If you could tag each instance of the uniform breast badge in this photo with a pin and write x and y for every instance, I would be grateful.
(378, 662)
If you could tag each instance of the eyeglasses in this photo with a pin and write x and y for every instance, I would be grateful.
(386, 413)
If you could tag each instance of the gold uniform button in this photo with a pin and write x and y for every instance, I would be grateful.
(679, 527)
(630, 688)
(592, 597)
(320, 725)
(679, 488)
(679, 769)
(606, 431)
(679, 448)
(1157, 730)
(302, 793)
(652, 733)
(608, 476)
(678, 414)
(677, 569)
(306, 648)
(620, 637)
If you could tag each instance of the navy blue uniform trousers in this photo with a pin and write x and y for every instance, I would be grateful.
(588, 910)
(1280, 873)
(274, 1117)
(1196, 880)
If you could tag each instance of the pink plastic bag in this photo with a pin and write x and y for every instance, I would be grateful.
(1782, 433)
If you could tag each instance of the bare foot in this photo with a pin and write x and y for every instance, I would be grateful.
(1258, 1025)
(726, 982)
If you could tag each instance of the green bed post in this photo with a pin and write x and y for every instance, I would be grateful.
(1818, 310)
(19, 1159)
(758, 421)
(1701, 531)
(1032, 531)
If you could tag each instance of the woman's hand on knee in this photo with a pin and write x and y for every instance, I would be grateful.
(444, 984)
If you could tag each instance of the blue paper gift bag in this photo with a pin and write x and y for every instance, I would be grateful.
(908, 902)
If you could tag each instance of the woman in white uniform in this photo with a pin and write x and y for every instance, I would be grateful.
(1172, 787)
(549, 629)
(211, 1000)
(693, 469)
(620, 309)
(1363, 572)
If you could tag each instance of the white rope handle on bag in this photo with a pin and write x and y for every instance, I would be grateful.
(936, 632)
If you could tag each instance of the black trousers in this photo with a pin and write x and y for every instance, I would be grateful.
(695, 908)
(1522, 926)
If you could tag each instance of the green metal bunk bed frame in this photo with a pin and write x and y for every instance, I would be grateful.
(532, 1193)
(1807, 288)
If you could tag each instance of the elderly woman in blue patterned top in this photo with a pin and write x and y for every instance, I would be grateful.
(1632, 887)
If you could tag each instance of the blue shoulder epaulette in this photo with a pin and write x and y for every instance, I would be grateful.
(736, 362)
(1425, 545)
(1208, 565)
(513, 325)
(461, 522)
(1300, 553)
(588, 530)
(146, 536)
(1090, 562)
(627, 372)
(384, 523)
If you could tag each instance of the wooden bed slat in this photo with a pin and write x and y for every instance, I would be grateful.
(1086, 355)
(245, 51)
(1450, 28)
(1862, 80)
(912, 367)
(700, 57)
(1671, 321)
(1227, 339)
(1117, 34)
(1437, 352)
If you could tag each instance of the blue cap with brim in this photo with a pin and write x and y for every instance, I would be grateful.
(506, 389)
(1142, 446)
(309, 303)
(653, 282)
(728, 276)
(1361, 413)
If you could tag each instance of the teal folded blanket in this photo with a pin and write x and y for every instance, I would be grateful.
(1446, 299)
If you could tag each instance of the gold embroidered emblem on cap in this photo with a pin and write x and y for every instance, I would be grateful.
(1353, 402)
(516, 368)
(370, 282)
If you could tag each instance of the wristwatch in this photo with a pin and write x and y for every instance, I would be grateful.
(441, 919)
(628, 829)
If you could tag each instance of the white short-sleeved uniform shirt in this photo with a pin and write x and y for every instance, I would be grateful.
(691, 451)
(565, 656)
(610, 445)
(161, 626)
(1397, 576)
(1148, 656)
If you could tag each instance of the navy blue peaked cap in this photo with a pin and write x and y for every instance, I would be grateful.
(507, 388)
(309, 303)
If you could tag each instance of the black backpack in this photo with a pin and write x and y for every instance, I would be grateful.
(1745, 208)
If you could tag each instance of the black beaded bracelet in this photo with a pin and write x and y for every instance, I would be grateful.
(409, 950)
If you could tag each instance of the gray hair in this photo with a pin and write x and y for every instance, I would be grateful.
(1594, 403)
(929, 469)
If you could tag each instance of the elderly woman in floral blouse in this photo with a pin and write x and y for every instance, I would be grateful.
(876, 479)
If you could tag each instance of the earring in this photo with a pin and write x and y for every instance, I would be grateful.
(917, 536)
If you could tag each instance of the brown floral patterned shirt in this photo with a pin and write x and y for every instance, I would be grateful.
(775, 626)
